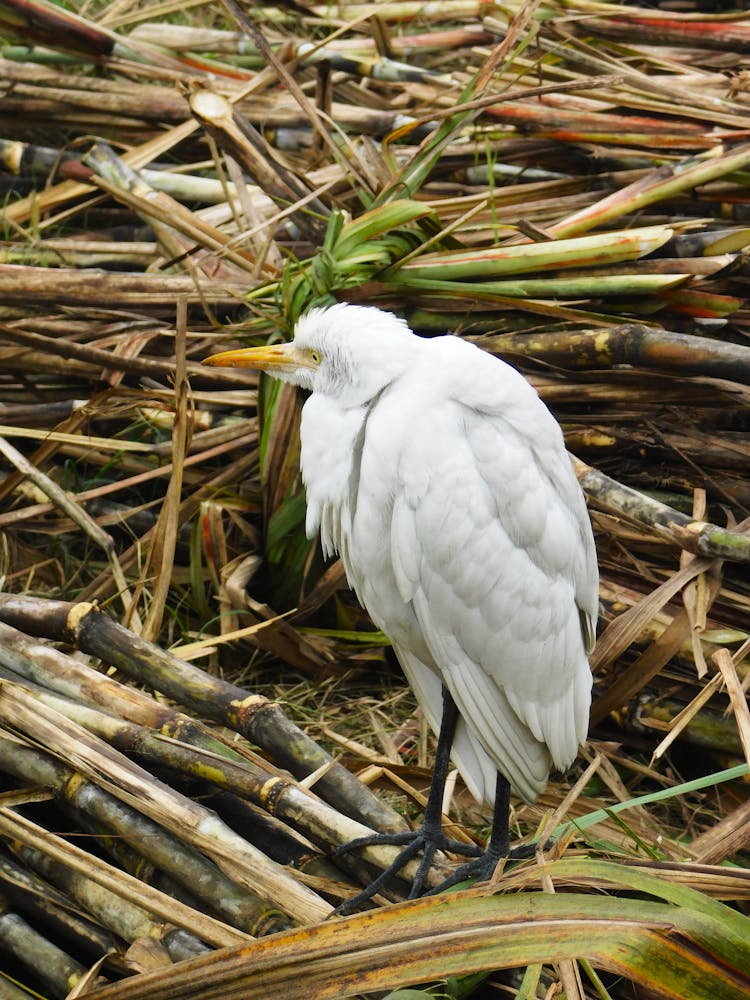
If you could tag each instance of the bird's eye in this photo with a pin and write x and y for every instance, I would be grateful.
(315, 356)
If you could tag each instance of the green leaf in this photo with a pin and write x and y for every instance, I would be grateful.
(696, 785)
(691, 946)
(409, 995)
(283, 525)
(588, 286)
(585, 251)
(378, 221)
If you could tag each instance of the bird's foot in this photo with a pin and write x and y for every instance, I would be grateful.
(426, 838)
(482, 869)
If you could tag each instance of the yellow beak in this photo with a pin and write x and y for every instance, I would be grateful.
(274, 358)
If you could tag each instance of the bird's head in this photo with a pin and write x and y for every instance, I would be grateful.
(345, 351)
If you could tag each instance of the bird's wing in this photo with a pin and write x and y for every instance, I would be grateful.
(490, 544)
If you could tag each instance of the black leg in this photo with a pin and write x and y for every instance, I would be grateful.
(433, 812)
(429, 837)
(499, 842)
(498, 845)
(481, 869)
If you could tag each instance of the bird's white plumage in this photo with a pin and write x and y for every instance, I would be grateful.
(443, 481)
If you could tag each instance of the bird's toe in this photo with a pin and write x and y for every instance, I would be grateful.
(425, 839)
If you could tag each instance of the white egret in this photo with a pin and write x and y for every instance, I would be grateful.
(442, 480)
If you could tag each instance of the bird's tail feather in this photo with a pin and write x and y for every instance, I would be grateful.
(525, 763)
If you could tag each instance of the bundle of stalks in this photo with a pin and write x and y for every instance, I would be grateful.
(194, 712)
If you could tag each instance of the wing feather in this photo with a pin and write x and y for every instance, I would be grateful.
(477, 767)
(494, 553)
